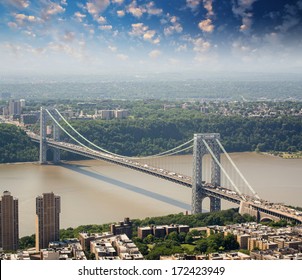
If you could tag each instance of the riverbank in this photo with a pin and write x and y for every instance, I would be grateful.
(285, 155)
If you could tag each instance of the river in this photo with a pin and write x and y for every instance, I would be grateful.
(96, 192)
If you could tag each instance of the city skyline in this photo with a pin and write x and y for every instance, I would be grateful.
(105, 36)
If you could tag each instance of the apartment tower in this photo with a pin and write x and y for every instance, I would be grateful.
(9, 222)
(48, 208)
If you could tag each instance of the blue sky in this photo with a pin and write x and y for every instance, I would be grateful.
(102, 36)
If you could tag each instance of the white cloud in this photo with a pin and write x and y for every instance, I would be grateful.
(154, 54)
(89, 28)
(23, 20)
(245, 53)
(156, 41)
(246, 23)
(149, 35)
(101, 20)
(69, 36)
(22, 50)
(152, 10)
(200, 46)
(66, 49)
(53, 9)
(242, 9)
(13, 48)
(118, 1)
(175, 27)
(120, 13)
(208, 5)
(206, 25)
(273, 39)
(79, 17)
(22, 17)
(29, 33)
(105, 27)
(135, 11)
(193, 4)
(12, 24)
(138, 11)
(17, 3)
(182, 48)
(122, 57)
(291, 18)
(173, 19)
(95, 7)
(112, 48)
(138, 29)
(141, 30)
(247, 3)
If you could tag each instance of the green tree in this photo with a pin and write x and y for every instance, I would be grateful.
(173, 236)
(27, 242)
(230, 242)
(189, 238)
(149, 239)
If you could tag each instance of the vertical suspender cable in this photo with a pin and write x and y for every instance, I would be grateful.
(223, 170)
(236, 168)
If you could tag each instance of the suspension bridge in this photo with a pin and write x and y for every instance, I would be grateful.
(213, 179)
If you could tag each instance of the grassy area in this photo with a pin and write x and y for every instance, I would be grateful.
(296, 155)
(188, 247)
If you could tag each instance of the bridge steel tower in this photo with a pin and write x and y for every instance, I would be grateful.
(43, 140)
(199, 151)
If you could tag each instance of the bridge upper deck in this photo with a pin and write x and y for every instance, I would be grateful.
(208, 189)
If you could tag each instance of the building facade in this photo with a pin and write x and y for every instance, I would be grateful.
(9, 222)
(14, 108)
(48, 208)
(124, 227)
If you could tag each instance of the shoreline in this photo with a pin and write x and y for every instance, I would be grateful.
(284, 155)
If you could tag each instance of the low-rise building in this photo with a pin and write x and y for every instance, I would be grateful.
(160, 231)
(124, 227)
(86, 238)
(143, 232)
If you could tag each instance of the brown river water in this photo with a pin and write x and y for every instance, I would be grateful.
(96, 192)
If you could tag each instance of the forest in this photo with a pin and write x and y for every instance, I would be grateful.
(15, 145)
(141, 136)
(134, 137)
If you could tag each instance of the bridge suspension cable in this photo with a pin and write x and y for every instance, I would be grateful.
(236, 168)
(83, 145)
(223, 170)
(165, 153)
(54, 119)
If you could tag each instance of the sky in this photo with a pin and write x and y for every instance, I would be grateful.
(135, 36)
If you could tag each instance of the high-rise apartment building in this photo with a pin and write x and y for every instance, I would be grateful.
(14, 107)
(9, 222)
(48, 208)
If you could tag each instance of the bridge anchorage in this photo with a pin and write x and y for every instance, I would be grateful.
(55, 129)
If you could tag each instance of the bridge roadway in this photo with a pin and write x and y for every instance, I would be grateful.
(208, 190)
